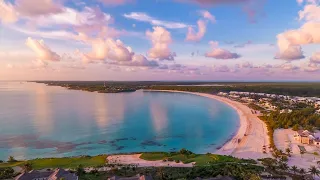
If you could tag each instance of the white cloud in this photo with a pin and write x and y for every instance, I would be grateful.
(161, 39)
(43, 52)
(7, 12)
(289, 42)
(197, 36)
(143, 17)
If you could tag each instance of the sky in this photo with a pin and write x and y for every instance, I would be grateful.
(169, 40)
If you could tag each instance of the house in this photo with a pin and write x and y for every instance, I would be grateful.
(304, 137)
(137, 177)
(285, 111)
(48, 175)
(34, 175)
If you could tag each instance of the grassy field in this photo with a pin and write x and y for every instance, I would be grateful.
(199, 159)
(67, 162)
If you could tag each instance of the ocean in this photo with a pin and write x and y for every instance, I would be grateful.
(38, 121)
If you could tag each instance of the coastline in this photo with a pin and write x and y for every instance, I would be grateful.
(250, 137)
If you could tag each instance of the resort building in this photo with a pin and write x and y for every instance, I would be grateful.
(47, 175)
(304, 137)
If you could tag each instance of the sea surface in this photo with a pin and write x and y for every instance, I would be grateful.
(39, 121)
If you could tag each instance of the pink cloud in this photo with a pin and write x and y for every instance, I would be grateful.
(311, 67)
(7, 13)
(310, 12)
(291, 53)
(289, 67)
(138, 60)
(315, 58)
(160, 39)
(38, 7)
(43, 52)
(115, 2)
(108, 49)
(207, 15)
(219, 53)
(197, 36)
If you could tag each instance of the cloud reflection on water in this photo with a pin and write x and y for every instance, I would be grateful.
(159, 116)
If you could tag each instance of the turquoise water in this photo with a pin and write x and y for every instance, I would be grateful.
(39, 121)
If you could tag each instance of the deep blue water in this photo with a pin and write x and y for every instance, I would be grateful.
(41, 121)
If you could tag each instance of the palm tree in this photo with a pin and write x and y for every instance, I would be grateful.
(314, 171)
(302, 171)
(294, 169)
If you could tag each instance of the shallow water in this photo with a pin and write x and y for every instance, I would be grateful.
(40, 121)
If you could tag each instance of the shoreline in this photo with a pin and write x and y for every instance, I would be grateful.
(251, 135)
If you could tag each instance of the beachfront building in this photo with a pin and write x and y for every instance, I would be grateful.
(47, 175)
(222, 94)
(304, 137)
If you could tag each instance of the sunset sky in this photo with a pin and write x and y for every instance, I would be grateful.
(205, 40)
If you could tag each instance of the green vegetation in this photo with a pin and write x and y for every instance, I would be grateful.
(67, 162)
(6, 173)
(238, 171)
(304, 118)
(198, 159)
(255, 107)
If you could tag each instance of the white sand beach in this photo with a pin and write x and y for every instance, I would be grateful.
(247, 143)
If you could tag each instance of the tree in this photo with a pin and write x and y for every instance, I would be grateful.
(314, 171)
(294, 169)
(80, 171)
(295, 127)
(11, 159)
(27, 167)
(302, 171)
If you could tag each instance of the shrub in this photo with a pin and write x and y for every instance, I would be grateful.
(177, 161)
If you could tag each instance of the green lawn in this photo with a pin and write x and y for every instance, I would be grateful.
(199, 159)
(67, 162)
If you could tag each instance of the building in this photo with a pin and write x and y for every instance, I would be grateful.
(304, 137)
(47, 175)
(137, 177)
